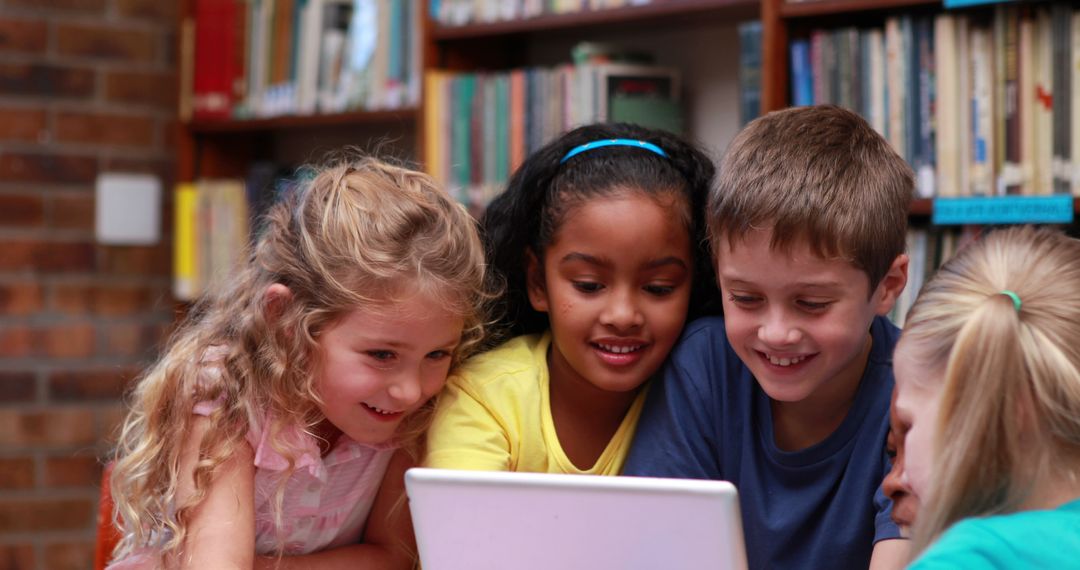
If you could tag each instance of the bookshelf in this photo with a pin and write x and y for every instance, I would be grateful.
(227, 144)
(785, 20)
(213, 147)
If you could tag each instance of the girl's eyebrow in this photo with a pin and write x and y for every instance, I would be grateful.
(591, 259)
(604, 262)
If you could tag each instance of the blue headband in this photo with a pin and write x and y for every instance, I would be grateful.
(613, 142)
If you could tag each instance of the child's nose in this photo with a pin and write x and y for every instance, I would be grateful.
(777, 330)
(621, 311)
(405, 389)
(893, 486)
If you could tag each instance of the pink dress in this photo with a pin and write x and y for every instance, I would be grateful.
(326, 502)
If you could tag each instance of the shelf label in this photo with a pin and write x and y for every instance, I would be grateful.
(1056, 209)
(962, 3)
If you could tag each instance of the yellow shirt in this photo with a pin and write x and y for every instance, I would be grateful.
(495, 415)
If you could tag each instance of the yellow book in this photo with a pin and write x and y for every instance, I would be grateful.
(185, 248)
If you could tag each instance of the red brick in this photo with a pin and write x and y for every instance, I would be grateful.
(131, 340)
(45, 256)
(49, 427)
(107, 42)
(65, 340)
(85, 385)
(124, 130)
(69, 471)
(23, 35)
(137, 260)
(16, 342)
(26, 125)
(69, 555)
(73, 298)
(162, 168)
(44, 80)
(47, 168)
(16, 556)
(36, 515)
(81, 6)
(148, 9)
(21, 210)
(120, 300)
(17, 387)
(16, 473)
(72, 211)
(111, 420)
(20, 298)
(154, 89)
(68, 340)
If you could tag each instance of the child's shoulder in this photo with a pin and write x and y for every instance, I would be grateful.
(505, 366)
(885, 336)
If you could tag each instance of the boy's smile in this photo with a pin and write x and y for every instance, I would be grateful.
(799, 322)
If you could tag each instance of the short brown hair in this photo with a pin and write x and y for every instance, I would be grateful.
(820, 174)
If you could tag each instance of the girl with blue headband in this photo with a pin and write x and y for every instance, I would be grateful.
(599, 243)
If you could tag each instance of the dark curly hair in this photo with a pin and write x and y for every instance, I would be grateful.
(526, 216)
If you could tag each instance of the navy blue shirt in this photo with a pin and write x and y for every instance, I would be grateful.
(819, 507)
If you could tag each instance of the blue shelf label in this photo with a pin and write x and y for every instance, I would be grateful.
(1056, 209)
(962, 3)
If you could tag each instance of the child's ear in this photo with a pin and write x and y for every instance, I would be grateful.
(275, 299)
(891, 285)
(534, 283)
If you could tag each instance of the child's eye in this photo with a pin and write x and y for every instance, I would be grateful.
(743, 299)
(814, 305)
(381, 355)
(659, 290)
(438, 355)
(587, 286)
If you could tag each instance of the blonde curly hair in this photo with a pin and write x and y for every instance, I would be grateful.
(352, 236)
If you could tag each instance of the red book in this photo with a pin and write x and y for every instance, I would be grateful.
(219, 58)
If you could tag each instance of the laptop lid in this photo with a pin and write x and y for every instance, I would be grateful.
(539, 521)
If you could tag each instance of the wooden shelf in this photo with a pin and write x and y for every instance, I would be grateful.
(921, 207)
(811, 8)
(396, 116)
(657, 9)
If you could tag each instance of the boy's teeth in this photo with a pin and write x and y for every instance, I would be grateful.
(785, 361)
(619, 349)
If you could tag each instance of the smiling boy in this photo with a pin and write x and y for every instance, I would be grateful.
(787, 395)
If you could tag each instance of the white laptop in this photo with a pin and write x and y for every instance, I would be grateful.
(472, 520)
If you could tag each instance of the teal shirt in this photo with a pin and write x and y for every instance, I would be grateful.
(1029, 539)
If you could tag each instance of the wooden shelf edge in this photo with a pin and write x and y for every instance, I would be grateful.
(737, 8)
(409, 114)
(811, 8)
(921, 207)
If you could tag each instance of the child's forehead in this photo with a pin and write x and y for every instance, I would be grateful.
(797, 246)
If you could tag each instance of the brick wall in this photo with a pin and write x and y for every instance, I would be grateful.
(86, 86)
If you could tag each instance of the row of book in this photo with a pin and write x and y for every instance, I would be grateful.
(978, 103)
(480, 126)
(265, 58)
(462, 12)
